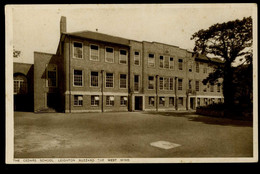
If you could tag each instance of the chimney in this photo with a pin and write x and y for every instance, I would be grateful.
(63, 25)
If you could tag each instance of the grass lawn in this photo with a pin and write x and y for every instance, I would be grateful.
(128, 135)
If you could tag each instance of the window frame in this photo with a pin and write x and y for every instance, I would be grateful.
(139, 58)
(149, 82)
(181, 64)
(47, 75)
(74, 47)
(162, 97)
(126, 101)
(106, 80)
(119, 57)
(179, 85)
(95, 105)
(78, 104)
(154, 64)
(91, 79)
(110, 105)
(150, 102)
(106, 54)
(172, 63)
(90, 56)
(120, 81)
(139, 86)
(81, 80)
(197, 85)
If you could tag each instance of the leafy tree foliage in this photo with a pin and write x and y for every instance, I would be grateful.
(229, 41)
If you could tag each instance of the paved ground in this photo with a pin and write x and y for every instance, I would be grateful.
(129, 134)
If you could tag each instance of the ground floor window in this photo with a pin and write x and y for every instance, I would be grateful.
(219, 100)
(162, 101)
(94, 100)
(110, 100)
(171, 101)
(78, 100)
(151, 101)
(206, 101)
(123, 100)
(180, 100)
(198, 101)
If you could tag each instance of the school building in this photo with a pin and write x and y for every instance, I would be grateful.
(95, 72)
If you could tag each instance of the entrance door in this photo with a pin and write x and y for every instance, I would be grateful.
(138, 103)
(52, 100)
(192, 103)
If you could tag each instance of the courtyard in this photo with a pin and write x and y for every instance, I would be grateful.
(129, 135)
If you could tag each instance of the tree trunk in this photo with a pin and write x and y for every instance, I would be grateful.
(228, 89)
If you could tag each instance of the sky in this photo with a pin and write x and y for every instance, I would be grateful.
(36, 27)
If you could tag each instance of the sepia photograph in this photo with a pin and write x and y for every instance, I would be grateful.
(131, 83)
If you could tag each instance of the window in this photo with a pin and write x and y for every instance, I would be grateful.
(205, 88)
(109, 80)
(171, 83)
(197, 85)
(136, 82)
(20, 86)
(190, 87)
(171, 101)
(161, 83)
(171, 63)
(218, 89)
(161, 62)
(94, 100)
(180, 64)
(137, 58)
(162, 101)
(52, 75)
(151, 61)
(78, 78)
(166, 62)
(122, 81)
(94, 53)
(151, 101)
(180, 84)
(123, 101)
(77, 50)
(219, 100)
(122, 56)
(205, 68)
(197, 67)
(78, 100)
(110, 100)
(180, 100)
(94, 79)
(198, 101)
(211, 87)
(190, 66)
(166, 83)
(151, 82)
(109, 56)
(206, 101)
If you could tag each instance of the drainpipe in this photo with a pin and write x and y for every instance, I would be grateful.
(176, 97)
(102, 91)
(157, 98)
(69, 78)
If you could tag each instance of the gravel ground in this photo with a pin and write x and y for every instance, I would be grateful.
(128, 135)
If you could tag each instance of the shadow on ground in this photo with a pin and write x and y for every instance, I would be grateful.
(192, 116)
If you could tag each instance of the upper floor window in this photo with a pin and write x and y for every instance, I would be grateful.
(218, 89)
(171, 63)
(20, 84)
(52, 75)
(180, 84)
(122, 56)
(78, 78)
(151, 60)
(77, 50)
(166, 62)
(166, 83)
(94, 79)
(109, 80)
(180, 64)
(151, 82)
(197, 67)
(171, 83)
(109, 56)
(161, 83)
(197, 85)
(122, 81)
(189, 85)
(137, 58)
(161, 62)
(94, 52)
(211, 87)
(190, 66)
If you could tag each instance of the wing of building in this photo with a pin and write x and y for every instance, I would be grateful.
(95, 72)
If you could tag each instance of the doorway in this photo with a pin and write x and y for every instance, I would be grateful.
(52, 100)
(192, 106)
(138, 103)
